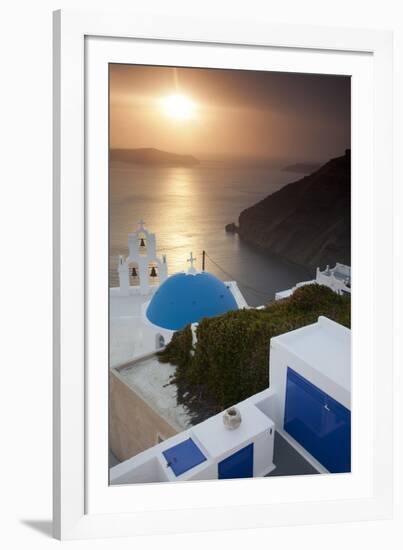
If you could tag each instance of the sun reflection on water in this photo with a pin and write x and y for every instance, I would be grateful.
(187, 208)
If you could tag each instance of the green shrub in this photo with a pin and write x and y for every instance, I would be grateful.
(177, 351)
(230, 361)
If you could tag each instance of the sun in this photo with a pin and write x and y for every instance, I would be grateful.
(179, 107)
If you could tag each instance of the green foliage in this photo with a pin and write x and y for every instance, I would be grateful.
(177, 351)
(230, 360)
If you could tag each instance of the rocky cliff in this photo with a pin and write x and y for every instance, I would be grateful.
(302, 167)
(308, 221)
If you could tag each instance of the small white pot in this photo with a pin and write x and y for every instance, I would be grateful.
(232, 418)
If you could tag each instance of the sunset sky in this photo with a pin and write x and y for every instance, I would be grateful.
(214, 112)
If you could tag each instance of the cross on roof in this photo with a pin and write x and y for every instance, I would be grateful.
(191, 259)
(141, 224)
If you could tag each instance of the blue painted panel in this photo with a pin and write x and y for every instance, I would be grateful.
(184, 456)
(318, 422)
(238, 465)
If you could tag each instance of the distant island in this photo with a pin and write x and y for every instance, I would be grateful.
(154, 157)
(308, 221)
(302, 167)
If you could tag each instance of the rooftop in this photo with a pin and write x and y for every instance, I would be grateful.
(129, 336)
(151, 380)
(216, 440)
(325, 346)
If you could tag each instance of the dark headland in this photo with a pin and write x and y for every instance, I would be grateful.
(154, 157)
(308, 221)
(302, 167)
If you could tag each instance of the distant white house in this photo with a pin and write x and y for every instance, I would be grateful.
(337, 278)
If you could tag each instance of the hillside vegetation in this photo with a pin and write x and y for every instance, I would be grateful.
(230, 361)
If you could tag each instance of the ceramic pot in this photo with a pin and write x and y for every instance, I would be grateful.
(232, 418)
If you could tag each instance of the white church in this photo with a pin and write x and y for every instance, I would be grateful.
(148, 306)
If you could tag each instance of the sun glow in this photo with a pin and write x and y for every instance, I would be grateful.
(179, 107)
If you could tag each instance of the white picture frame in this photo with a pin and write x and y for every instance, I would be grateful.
(84, 505)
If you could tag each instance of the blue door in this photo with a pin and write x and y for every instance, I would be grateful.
(318, 422)
(240, 464)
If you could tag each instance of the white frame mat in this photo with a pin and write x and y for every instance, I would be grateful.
(84, 505)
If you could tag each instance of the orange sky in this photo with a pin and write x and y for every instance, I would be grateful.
(238, 113)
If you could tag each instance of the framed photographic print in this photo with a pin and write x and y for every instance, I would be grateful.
(223, 333)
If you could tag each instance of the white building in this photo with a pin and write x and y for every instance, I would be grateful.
(310, 374)
(307, 404)
(337, 278)
(206, 451)
(140, 274)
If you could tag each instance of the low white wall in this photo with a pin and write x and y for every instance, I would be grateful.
(150, 465)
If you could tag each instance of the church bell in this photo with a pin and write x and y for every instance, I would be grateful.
(153, 272)
(134, 272)
(142, 243)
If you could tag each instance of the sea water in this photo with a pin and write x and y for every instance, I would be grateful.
(188, 207)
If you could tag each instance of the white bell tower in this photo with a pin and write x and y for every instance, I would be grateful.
(142, 268)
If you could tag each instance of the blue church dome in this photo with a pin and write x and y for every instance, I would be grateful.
(186, 298)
